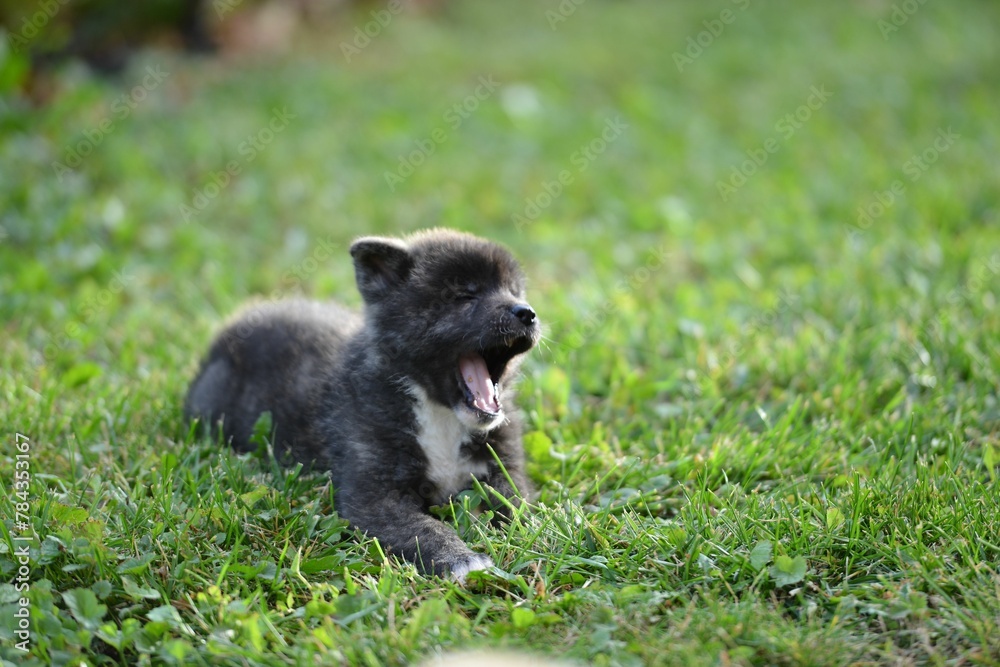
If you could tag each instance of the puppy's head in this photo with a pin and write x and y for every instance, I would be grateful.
(448, 311)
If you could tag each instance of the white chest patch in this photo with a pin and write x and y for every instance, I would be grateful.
(441, 434)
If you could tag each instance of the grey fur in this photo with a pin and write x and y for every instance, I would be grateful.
(345, 392)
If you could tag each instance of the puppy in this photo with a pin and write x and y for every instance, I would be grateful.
(406, 405)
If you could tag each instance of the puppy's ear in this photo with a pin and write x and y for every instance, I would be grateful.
(380, 266)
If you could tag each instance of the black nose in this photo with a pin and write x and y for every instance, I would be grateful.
(523, 312)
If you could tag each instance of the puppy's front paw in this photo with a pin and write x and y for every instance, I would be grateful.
(460, 567)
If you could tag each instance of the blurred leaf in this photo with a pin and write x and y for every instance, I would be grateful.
(102, 589)
(137, 592)
(81, 374)
(250, 498)
(83, 604)
(166, 615)
(69, 515)
(136, 565)
(522, 617)
(538, 446)
(761, 555)
(787, 571)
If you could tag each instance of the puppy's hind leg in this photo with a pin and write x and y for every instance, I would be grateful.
(211, 393)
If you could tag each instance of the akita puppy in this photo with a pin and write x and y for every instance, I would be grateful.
(402, 405)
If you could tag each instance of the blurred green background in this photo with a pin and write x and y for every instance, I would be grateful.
(763, 237)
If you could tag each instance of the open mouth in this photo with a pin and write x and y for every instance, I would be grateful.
(481, 372)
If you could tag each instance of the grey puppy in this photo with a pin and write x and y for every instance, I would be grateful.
(403, 405)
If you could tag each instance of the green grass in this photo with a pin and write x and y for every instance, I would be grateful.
(761, 434)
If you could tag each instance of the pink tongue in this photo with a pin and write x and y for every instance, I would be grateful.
(477, 378)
